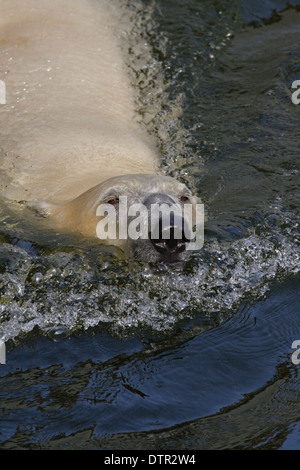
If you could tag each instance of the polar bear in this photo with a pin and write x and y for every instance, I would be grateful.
(70, 138)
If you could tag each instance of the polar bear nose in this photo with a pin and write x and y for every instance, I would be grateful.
(166, 224)
(171, 238)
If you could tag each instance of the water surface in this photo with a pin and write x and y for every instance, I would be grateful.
(116, 354)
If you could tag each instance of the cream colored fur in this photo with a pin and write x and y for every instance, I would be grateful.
(69, 122)
(69, 132)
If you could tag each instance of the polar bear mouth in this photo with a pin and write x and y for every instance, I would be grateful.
(168, 242)
(169, 246)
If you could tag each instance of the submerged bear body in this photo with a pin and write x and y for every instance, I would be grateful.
(69, 128)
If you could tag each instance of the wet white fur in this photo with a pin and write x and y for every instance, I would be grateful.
(70, 121)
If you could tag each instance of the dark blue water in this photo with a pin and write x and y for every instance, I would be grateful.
(109, 354)
(234, 386)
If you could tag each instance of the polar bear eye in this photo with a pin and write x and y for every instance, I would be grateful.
(184, 198)
(113, 201)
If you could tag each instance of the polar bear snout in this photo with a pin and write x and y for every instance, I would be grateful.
(171, 238)
(166, 223)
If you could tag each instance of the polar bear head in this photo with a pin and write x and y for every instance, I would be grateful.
(150, 217)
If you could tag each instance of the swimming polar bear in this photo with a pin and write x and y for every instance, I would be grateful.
(70, 139)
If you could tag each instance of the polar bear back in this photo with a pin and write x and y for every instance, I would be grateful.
(69, 121)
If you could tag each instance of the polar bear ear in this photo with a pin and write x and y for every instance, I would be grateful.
(42, 208)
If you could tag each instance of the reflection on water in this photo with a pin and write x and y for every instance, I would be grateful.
(108, 353)
(234, 386)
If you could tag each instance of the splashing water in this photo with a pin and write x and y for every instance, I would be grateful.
(59, 284)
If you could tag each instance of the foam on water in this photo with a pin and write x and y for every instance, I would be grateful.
(73, 288)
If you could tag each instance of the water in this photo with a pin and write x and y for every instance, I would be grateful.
(117, 354)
